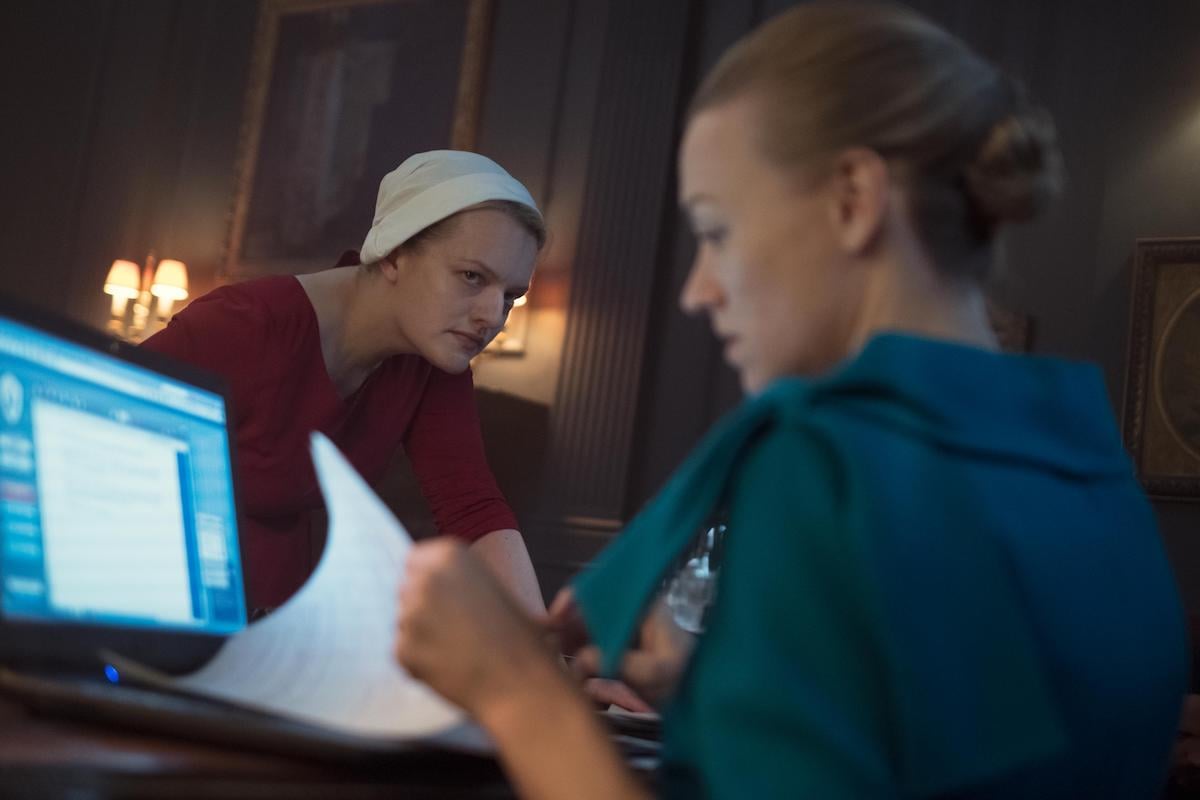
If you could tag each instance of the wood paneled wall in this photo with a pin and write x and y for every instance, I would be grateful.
(125, 130)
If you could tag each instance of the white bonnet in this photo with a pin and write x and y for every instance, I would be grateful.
(427, 188)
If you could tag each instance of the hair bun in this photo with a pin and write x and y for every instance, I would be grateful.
(1018, 171)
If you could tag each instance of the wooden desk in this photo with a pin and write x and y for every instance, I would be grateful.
(42, 757)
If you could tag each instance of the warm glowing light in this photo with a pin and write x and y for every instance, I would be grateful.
(170, 280)
(520, 301)
(170, 284)
(124, 281)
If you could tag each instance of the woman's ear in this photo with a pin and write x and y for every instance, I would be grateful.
(860, 185)
(389, 266)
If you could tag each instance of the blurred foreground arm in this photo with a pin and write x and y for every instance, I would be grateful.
(461, 633)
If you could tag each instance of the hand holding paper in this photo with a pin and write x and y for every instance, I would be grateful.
(325, 656)
(464, 634)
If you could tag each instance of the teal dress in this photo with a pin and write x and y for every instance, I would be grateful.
(940, 579)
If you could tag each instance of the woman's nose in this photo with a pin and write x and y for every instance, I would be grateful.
(700, 291)
(491, 309)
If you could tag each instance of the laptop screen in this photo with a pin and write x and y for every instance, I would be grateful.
(116, 492)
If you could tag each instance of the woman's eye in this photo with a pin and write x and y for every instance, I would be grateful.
(713, 236)
(471, 277)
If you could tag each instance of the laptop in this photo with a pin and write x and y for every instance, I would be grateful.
(118, 514)
(118, 532)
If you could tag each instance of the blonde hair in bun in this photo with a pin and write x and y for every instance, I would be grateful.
(1018, 171)
(970, 153)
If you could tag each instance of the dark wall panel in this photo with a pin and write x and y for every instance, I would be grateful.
(197, 197)
(1151, 170)
(124, 137)
(615, 265)
(127, 113)
(51, 75)
(686, 383)
(612, 281)
(524, 89)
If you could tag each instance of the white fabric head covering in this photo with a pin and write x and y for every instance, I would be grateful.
(427, 188)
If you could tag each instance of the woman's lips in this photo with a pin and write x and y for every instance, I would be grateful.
(468, 342)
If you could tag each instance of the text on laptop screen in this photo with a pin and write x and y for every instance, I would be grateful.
(116, 492)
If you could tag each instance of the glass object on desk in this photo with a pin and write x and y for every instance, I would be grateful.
(692, 590)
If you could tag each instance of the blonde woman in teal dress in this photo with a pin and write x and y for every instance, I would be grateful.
(940, 578)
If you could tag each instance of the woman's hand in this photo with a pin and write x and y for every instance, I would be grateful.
(462, 634)
(653, 666)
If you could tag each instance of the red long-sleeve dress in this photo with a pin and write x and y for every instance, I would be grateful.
(262, 336)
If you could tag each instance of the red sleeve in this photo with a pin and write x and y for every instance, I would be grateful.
(222, 332)
(446, 449)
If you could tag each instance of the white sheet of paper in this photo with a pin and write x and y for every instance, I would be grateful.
(325, 656)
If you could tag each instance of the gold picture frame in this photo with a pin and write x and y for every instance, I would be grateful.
(333, 45)
(1161, 407)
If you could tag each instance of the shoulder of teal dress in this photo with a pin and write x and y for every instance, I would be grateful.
(787, 683)
(614, 591)
(950, 724)
(825, 654)
(1042, 411)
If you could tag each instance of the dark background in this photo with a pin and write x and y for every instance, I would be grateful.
(121, 136)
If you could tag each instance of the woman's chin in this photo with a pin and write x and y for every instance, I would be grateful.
(752, 380)
(751, 385)
(449, 362)
(756, 381)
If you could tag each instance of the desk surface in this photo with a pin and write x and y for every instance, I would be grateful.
(45, 757)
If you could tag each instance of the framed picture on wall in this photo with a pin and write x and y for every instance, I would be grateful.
(1162, 387)
(340, 92)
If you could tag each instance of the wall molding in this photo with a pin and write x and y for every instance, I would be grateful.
(614, 271)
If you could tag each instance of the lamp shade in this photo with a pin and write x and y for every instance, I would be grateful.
(124, 279)
(170, 280)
